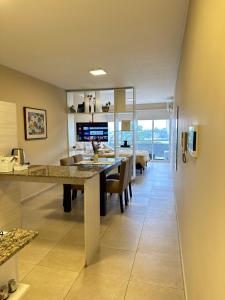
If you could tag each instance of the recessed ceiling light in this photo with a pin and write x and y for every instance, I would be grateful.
(97, 72)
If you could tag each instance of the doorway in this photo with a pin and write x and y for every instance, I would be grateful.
(154, 136)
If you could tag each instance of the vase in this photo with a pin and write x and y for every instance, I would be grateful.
(105, 108)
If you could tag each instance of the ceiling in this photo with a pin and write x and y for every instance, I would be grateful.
(137, 42)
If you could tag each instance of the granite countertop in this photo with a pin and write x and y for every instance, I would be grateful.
(56, 172)
(13, 241)
(76, 174)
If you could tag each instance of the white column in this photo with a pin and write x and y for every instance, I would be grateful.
(91, 218)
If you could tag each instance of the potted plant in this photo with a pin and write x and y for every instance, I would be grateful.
(72, 109)
(105, 108)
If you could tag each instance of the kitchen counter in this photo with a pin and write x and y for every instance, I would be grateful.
(13, 241)
(86, 175)
(53, 174)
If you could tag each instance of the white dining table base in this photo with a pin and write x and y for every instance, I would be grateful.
(71, 176)
(91, 218)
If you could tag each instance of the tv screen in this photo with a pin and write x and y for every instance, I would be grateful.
(97, 131)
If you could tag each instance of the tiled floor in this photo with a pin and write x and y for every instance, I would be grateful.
(139, 256)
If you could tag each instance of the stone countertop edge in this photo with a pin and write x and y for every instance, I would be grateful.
(13, 241)
(54, 172)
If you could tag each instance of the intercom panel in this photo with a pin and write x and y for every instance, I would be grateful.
(193, 139)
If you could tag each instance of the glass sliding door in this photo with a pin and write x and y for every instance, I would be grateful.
(161, 139)
(154, 136)
(144, 136)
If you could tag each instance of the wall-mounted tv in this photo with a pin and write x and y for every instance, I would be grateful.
(97, 131)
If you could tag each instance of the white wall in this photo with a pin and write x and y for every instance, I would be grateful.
(10, 212)
(153, 114)
(24, 90)
(200, 183)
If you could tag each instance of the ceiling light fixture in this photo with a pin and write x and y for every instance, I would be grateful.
(98, 72)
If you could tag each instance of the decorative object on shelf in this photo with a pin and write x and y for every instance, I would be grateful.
(92, 102)
(125, 144)
(35, 123)
(72, 109)
(81, 108)
(105, 108)
(125, 125)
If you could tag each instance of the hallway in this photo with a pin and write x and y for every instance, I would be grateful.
(139, 256)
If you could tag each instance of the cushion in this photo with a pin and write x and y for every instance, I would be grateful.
(112, 186)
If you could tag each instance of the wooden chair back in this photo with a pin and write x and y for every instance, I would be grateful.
(130, 168)
(124, 173)
(67, 161)
(77, 158)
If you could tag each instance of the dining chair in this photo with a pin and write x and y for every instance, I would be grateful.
(130, 175)
(118, 186)
(70, 161)
(129, 179)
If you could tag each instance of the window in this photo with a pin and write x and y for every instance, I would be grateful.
(144, 135)
(154, 136)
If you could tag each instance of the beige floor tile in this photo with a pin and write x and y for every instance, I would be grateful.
(161, 227)
(145, 291)
(113, 262)
(160, 205)
(24, 268)
(75, 236)
(65, 256)
(139, 199)
(54, 230)
(97, 286)
(125, 220)
(31, 224)
(36, 250)
(161, 219)
(103, 229)
(149, 219)
(124, 238)
(151, 242)
(158, 269)
(48, 283)
(162, 214)
(136, 210)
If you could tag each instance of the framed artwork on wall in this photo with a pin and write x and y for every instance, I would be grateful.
(35, 123)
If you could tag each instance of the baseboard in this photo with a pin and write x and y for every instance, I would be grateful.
(38, 193)
(181, 250)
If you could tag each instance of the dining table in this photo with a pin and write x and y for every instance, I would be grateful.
(104, 167)
(87, 176)
(90, 174)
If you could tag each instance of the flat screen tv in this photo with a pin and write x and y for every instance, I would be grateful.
(97, 131)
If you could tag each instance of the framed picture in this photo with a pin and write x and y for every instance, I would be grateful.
(35, 123)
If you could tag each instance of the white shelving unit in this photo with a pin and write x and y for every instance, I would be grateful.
(122, 108)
